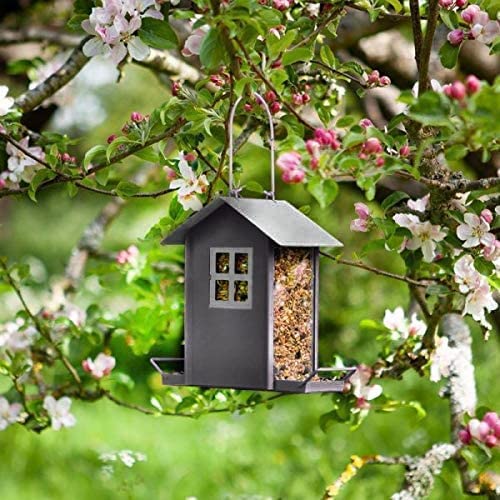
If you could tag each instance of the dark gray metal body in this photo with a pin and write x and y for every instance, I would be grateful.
(227, 347)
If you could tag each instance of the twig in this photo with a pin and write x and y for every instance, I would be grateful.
(270, 86)
(362, 265)
(417, 29)
(425, 52)
(341, 73)
(39, 326)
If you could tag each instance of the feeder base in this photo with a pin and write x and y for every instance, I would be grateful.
(310, 386)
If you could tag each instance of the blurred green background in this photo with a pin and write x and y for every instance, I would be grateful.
(271, 454)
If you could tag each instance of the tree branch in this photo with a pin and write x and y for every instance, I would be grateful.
(425, 51)
(34, 97)
(30, 34)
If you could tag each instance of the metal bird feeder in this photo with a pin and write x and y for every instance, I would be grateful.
(251, 294)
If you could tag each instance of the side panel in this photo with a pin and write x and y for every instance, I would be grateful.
(226, 347)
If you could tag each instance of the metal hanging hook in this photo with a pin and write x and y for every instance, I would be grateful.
(235, 192)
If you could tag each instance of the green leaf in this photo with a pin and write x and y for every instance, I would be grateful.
(126, 188)
(345, 121)
(72, 189)
(324, 190)
(122, 379)
(448, 54)
(98, 151)
(393, 199)
(327, 56)
(295, 55)
(431, 109)
(277, 45)
(158, 34)
(456, 152)
(212, 51)
(175, 209)
(75, 22)
(41, 176)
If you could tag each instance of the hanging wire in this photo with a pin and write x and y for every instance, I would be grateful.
(260, 99)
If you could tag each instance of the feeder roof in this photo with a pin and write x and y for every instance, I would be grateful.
(278, 220)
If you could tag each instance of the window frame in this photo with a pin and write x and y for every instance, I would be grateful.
(231, 276)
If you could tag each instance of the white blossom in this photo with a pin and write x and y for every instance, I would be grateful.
(127, 457)
(9, 413)
(424, 234)
(401, 327)
(474, 231)
(419, 205)
(59, 412)
(360, 384)
(16, 337)
(21, 167)
(6, 103)
(189, 186)
(101, 366)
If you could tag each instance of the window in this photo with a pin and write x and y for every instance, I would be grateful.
(231, 278)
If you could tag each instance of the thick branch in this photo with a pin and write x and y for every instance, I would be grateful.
(425, 52)
(38, 34)
(34, 97)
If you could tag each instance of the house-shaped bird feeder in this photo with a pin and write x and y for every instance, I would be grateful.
(251, 298)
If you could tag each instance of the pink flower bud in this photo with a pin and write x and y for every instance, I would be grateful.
(362, 156)
(305, 98)
(491, 418)
(2, 183)
(496, 430)
(297, 99)
(136, 117)
(464, 436)
(487, 216)
(478, 430)
(313, 147)
(65, 157)
(373, 77)
(384, 81)
(275, 107)
(372, 146)
(276, 64)
(176, 87)
(247, 107)
(335, 144)
(217, 80)
(455, 91)
(325, 137)
(455, 37)
(365, 123)
(125, 129)
(270, 96)
(282, 4)
(461, 3)
(362, 404)
(170, 172)
(263, 2)
(314, 163)
(404, 151)
(190, 156)
(490, 441)
(446, 4)
(289, 161)
(380, 161)
(470, 13)
(472, 84)
(111, 138)
(362, 210)
(293, 176)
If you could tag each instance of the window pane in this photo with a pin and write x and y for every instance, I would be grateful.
(221, 290)
(241, 263)
(241, 291)
(222, 262)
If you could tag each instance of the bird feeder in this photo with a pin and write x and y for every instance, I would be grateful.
(251, 295)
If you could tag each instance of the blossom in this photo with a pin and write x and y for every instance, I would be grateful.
(361, 223)
(193, 42)
(486, 430)
(455, 90)
(127, 457)
(282, 4)
(479, 301)
(466, 275)
(372, 145)
(290, 165)
(456, 36)
(401, 327)
(441, 359)
(9, 413)
(100, 367)
(16, 337)
(482, 28)
(472, 84)
(424, 234)
(419, 205)
(361, 388)
(327, 138)
(474, 231)
(6, 103)
(113, 27)
(189, 186)
(21, 167)
(59, 412)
